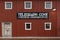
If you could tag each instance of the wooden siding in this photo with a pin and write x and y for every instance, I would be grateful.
(18, 26)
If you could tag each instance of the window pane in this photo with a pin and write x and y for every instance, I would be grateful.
(48, 5)
(47, 26)
(28, 26)
(8, 5)
(28, 5)
(7, 23)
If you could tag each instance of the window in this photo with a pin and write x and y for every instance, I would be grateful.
(28, 4)
(48, 5)
(47, 25)
(27, 26)
(8, 5)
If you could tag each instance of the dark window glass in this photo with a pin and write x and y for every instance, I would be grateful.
(28, 26)
(28, 5)
(7, 23)
(47, 26)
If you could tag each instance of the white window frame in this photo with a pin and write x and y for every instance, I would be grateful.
(25, 4)
(6, 3)
(45, 25)
(30, 25)
(46, 4)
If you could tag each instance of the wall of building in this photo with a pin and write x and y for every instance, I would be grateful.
(58, 18)
(18, 27)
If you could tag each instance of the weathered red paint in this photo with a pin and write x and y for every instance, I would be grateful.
(18, 27)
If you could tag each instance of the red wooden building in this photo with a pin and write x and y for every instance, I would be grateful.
(29, 18)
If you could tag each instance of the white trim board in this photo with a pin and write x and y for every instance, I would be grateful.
(28, 37)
